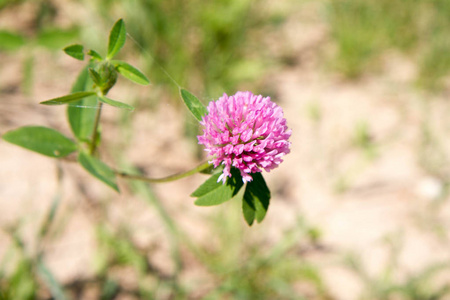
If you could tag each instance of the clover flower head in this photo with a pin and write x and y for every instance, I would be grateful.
(245, 131)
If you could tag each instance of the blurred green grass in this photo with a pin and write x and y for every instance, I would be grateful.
(364, 30)
(204, 45)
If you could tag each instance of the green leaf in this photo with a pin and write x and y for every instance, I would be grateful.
(212, 192)
(68, 98)
(54, 286)
(209, 185)
(49, 218)
(42, 140)
(82, 82)
(130, 72)
(249, 211)
(11, 41)
(56, 38)
(81, 114)
(210, 170)
(193, 104)
(95, 55)
(98, 169)
(256, 199)
(117, 38)
(76, 51)
(95, 76)
(115, 103)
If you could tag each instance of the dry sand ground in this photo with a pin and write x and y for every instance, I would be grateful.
(357, 200)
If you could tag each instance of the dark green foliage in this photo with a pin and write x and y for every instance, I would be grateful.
(256, 199)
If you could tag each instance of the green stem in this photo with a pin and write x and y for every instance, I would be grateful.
(174, 177)
(94, 137)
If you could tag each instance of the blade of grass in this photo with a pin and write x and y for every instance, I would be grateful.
(49, 279)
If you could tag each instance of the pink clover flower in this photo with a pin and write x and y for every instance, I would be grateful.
(247, 132)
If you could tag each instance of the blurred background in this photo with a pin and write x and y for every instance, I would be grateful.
(359, 210)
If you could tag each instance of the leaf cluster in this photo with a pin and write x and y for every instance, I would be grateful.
(255, 198)
(89, 90)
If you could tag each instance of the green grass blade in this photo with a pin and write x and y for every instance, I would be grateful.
(50, 216)
(53, 285)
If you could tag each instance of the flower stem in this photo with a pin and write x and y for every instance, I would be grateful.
(94, 137)
(174, 177)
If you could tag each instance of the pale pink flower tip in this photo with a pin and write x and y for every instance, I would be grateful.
(245, 131)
